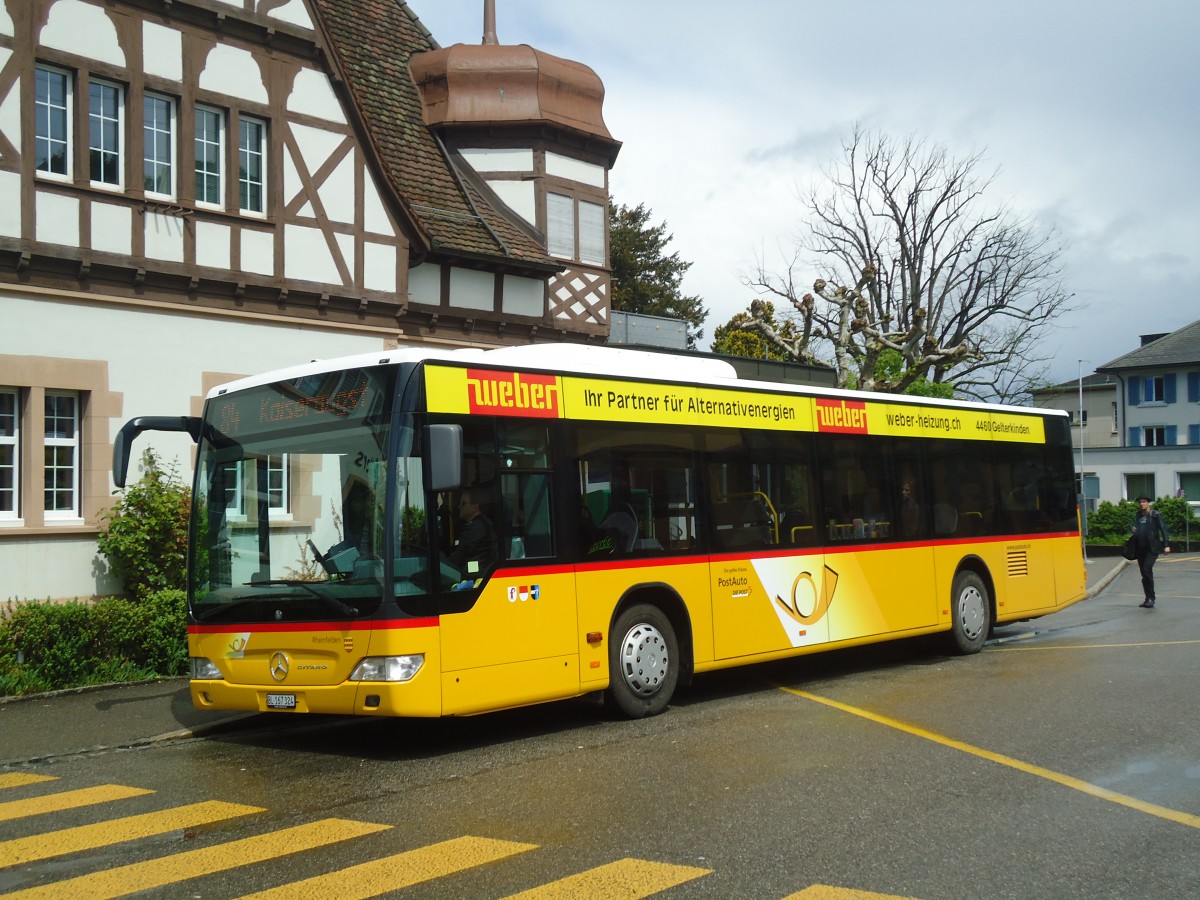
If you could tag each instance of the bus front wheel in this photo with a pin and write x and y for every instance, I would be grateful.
(971, 613)
(643, 659)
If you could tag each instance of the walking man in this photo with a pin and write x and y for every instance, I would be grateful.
(1152, 539)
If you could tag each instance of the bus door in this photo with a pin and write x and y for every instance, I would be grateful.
(771, 590)
(509, 634)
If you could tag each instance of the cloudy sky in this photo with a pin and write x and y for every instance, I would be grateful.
(1088, 109)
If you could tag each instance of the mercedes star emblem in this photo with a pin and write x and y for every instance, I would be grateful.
(279, 666)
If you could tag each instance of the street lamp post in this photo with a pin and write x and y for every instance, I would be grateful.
(1082, 476)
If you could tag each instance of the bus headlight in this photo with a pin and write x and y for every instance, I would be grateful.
(202, 669)
(388, 668)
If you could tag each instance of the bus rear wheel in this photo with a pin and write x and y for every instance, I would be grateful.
(971, 613)
(643, 660)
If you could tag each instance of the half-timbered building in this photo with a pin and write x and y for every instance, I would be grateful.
(194, 190)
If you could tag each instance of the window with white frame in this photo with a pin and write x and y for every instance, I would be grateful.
(10, 453)
(277, 486)
(52, 104)
(1138, 483)
(1156, 389)
(252, 168)
(240, 478)
(1114, 417)
(62, 455)
(158, 145)
(106, 109)
(1154, 436)
(210, 144)
(235, 498)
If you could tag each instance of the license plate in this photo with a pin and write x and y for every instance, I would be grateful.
(281, 701)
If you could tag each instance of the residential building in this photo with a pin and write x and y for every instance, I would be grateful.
(196, 190)
(1156, 391)
(1092, 404)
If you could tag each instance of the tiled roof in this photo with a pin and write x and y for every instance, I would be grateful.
(1179, 348)
(1090, 382)
(371, 42)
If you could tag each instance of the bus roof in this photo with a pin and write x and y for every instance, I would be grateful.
(613, 362)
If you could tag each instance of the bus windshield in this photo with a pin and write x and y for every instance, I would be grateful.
(291, 481)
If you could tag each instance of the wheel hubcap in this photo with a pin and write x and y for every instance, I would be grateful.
(644, 659)
(971, 612)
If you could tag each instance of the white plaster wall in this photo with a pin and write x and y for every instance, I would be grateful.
(83, 29)
(519, 196)
(112, 228)
(162, 51)
(212, 245)
(575, 170)
(316, 144)
(10, 106)
(379, 267)
(306, 256)
(232, 71)
(523, 296)
(425, 284)
(258, 252)
(312, 95)
(53, 570)
(164, 236)
(470, 289)
(6, 25)
(156, 364)
(337, 193)
(375, 217)
(499, 160)
(10, 204)
(57, 219)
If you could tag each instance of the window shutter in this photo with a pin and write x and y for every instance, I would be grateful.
(1135, 437)
(1135, 390)
(1172, 433)
(1194, 434)
(1193, 387)
(591, 233)
(560, 226)
(1169, 388)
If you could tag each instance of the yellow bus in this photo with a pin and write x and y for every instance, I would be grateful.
(425, 533)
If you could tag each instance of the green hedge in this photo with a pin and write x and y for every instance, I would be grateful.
(1111, 523)
(48, 646)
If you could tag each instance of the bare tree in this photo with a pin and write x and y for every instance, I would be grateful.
(913, 262)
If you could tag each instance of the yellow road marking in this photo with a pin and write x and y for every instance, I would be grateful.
(105, 834)
(20, 779)
(827, 892)
(371, 879)
(625, 879)
(155, 873)
(1077, 784)
(36, 806)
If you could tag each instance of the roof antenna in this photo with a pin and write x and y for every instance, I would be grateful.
(489, 22)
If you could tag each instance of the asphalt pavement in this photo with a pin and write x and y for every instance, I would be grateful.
(83, 720)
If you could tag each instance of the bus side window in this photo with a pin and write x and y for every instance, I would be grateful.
(526, 514)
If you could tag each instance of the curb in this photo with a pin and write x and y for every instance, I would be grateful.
(1107, 579)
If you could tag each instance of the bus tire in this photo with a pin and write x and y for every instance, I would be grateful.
(970, 613)
(643, 660)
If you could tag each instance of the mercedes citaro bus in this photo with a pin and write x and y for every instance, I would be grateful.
(435, 533)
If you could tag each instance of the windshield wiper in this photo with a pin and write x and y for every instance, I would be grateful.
(332, 602)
